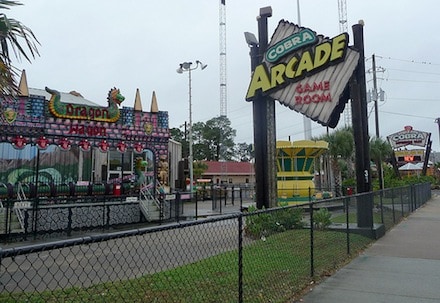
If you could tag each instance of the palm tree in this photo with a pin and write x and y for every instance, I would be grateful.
(340, 148)
(379, 151)
(12, 34)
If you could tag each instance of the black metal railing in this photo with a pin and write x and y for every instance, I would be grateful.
(256, 256)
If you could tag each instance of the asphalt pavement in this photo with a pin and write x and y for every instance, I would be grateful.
(403, 266)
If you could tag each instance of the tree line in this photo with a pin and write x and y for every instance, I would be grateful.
(213, 140)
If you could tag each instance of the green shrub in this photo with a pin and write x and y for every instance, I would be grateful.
(266, 223)
(289, 218)
(322, 218)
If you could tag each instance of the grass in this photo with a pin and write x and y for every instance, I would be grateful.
(388, 219)
(275, 269)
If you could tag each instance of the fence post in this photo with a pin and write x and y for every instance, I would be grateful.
(35, 216)
(381, 205)
(104, 221)
(392, 206)
(226, 195)
(177, 206)
(26, 224)
(161, 207)
(401, 202)
(8, 217)
(347, 220)
(69, 221)
(197, 205)
(312, 265)
(417, 195)
(221, 201)
(108, 215)
(411, 197)
(240, 258)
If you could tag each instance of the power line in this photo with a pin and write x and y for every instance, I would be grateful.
(415, 81)
(413, 72)
(409, 60)
(407, 115)
(414, 99)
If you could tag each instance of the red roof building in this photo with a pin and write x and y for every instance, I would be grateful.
(230, 172)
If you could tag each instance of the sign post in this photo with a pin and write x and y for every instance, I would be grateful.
(264, 125)
(309, 73)
(360, 133)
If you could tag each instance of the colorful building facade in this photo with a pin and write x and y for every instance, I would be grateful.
(51, 137)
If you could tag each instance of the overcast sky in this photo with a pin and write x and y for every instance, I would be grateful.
(92, 46)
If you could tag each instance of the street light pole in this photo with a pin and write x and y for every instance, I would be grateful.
(186, 67)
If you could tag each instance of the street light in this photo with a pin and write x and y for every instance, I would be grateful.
(187, 67)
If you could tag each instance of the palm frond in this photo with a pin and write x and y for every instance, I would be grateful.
(6, 4)
(11, 33)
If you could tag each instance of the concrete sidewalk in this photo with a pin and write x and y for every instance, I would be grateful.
(403, 266)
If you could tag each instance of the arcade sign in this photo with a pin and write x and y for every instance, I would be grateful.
(408, 136)
(306, 72)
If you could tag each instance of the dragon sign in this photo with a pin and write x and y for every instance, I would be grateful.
(85, 112)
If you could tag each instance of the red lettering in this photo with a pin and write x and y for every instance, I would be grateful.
(315, 98)
(326, 98)
(315, 86)
(307, 88)
(69, 109)
(88, 130)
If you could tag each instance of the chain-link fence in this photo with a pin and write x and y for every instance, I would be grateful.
(258, 256)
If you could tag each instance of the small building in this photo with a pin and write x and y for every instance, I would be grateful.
(225, 172)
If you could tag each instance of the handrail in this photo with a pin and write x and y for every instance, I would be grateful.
(20, 192)
(20, 216)
(18, 206)
(145, 197)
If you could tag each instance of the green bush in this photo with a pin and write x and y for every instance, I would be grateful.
(322, 218)
(266, 223)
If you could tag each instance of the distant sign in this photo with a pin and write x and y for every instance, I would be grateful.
(408, 136)
(306, 72)
(170, 197)
(185, 196)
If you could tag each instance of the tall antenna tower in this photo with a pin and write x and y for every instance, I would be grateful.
(343, 27)
(222, 43)
(342, 7)
(306, 121)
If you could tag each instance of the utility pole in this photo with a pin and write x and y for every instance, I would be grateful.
(438, 123)
(376, 112)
